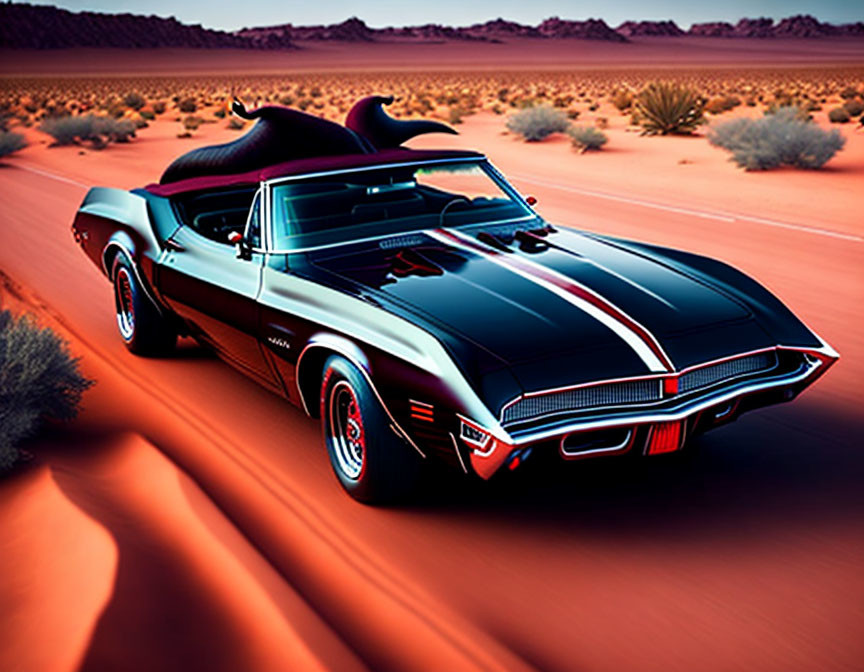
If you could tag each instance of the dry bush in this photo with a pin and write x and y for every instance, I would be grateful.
(38, 380)
(838, 115)
(538, 122)
(854, 107)
(134, 100)
(780, 139)
(587, 138)
(99, 131)
(11, 142)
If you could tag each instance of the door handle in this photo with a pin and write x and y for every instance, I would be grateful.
(172, 244)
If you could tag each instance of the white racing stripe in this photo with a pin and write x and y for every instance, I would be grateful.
(721, 217)
(634, 340)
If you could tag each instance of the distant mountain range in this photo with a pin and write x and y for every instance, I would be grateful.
(24, 26)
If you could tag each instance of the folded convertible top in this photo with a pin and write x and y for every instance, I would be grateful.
(282, 135)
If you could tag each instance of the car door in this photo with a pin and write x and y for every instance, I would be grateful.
(215, 292)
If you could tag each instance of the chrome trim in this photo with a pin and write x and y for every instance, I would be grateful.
(458, 454)
(658, 376)
(257, 199)
(275, 181)
(425, 231)
(663, 416)
(360, 367)
(595, 451)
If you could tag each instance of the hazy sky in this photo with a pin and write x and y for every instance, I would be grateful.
(235, 14)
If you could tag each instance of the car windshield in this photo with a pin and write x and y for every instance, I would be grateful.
(349, 206)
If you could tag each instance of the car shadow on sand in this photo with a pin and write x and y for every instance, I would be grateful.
(794, 463)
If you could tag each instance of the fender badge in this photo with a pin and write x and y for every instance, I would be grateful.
(278, 342)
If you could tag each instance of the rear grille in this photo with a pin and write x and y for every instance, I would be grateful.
(709, 375)
(609, 394)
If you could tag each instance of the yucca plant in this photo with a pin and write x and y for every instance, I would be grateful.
(666, 108)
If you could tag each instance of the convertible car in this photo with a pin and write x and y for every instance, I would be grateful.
(415, 302)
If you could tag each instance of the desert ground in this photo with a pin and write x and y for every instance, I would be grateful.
(190, 519)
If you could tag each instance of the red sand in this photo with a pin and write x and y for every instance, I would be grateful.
(746, 557)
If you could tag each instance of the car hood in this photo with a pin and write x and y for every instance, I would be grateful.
(508, 303)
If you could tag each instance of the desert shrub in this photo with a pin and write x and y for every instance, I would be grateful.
(621, 99)
(187, 105)
(69, 130)
(113, 130)
(720, 105)
(159, 107)
(134, 100)
(220, 113)
(854, 107)
(148, 115)
(191, 123)
(667, 108)
(573, 114)
(800, 112)
(838, 115)
(11, 142)
(776, 140)
(38, 380)
(538, 122)
(849, 92)
(88, 128)
(585, 138)
(236, 124)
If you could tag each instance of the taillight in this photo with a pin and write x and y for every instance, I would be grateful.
(665, 438)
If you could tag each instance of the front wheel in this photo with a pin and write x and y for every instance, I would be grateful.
(143, 329)
(371, 462)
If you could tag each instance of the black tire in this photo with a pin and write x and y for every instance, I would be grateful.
(378, 468)
(143, 329)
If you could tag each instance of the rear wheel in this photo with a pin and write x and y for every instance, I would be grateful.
(371, 462)
(143, 329)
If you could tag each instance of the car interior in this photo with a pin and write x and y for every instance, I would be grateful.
(214, 215)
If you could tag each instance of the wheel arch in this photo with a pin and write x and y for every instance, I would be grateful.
(310, 366)
(122, 243)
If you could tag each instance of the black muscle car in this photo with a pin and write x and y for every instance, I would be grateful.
(415, 302)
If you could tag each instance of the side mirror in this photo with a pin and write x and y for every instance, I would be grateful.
(236, 239)
(531, 200)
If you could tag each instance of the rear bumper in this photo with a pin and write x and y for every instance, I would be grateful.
(694, 414)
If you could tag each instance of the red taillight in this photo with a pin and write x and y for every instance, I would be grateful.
(670, 386)
(665, 438)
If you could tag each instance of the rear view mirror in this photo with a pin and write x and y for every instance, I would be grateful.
(531, 200)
